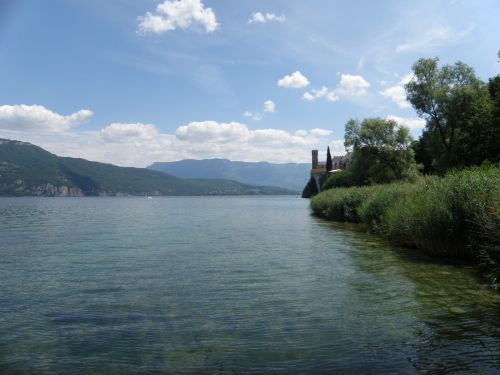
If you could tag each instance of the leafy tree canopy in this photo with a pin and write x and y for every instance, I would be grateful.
(381, 151)
(458, 111)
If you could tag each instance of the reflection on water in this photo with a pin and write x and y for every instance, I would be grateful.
(458, 318)
(227, 285)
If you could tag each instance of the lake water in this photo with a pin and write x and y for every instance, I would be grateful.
(227, 285)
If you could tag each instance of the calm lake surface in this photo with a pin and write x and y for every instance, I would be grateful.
(227, 285)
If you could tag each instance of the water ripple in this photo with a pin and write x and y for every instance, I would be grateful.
(227, 285)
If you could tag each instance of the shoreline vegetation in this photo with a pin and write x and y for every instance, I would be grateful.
(439, 194)
(456, 216)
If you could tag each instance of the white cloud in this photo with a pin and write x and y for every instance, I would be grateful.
(237, 133)
(118, 132)
(321, 133)
(434, 37)
(273, 136)
(259, 17)
(315, 94)
(301, 133)
(142, 144)
(349, 85)
(324, 92)
(397, 92)
(237, 142)
(252, 116)
(269, 106)
(296, 80)
(39, 118)
(209, 131)
(354, 85)
(309, 97)
(182, 14)
(411, 123)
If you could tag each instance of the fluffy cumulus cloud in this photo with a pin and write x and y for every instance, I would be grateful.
(354, 85)
(212, 131)
(397, 92)
(259, 17)
(142, 144)
(269, 106)
(349, 85)
(412, 123)
(118, 132)
(38, 118)
(320, 133)
(295, 80)
(182, 14)
(323, 92)
(234, 140)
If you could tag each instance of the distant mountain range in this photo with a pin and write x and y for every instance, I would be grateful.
(26, 169)
(289, 176)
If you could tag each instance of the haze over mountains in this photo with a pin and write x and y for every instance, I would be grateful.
(290, 176)
(26, 169)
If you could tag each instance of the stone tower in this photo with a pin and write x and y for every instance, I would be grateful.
(314, 159)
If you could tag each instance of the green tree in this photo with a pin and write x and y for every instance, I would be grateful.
(493, 146)
(494, 89)
(329, 164)
(457, 108)
(381, 150)
(422, 156)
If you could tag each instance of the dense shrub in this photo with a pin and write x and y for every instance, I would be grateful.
(441, 214)
(421, 220)
(487, 241)
(339, 179)
(373, 209)
(340, 204)
(454, 216)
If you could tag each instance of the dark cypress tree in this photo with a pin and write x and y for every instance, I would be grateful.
(329, 165)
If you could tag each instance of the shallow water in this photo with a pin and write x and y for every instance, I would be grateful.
(227, 285)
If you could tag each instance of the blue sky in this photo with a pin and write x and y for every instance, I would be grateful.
(136, 81)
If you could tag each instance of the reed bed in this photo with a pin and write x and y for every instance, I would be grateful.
(455, 216)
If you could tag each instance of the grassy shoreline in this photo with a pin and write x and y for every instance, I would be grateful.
(456, 216)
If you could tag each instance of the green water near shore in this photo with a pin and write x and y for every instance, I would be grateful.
(227, 285)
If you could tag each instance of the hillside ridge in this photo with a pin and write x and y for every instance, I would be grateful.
(27, 169)
(287, 175)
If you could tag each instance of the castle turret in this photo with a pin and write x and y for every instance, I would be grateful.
(314, 159)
